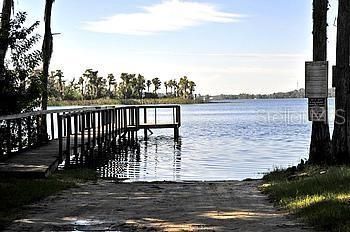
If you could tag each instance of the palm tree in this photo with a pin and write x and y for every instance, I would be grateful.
(81, 83)
(140, 85)
(176, 88)
(47, 51)
(91, 77)
(101, 85)
(170, 85)
(157, 83)
(61, 83)
(127, 85)
(111, 82)
(166, 84)
(148, 83)
(192, 86)
(183, 86)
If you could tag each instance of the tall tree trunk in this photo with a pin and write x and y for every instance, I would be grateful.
(320, 137)
(5, 32)
(4, 44)
(47, 51)
(340, 143)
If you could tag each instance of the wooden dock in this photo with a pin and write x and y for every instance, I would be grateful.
(73, 136)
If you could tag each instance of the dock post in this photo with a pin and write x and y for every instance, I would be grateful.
(83, 127)
(178, 122)
(103, 123)
(176, 132)
(93, 128)
(76, 131)
(145, 122)
(52, 126)
(99, 141)
(69, 133)
(132, 122)
(60, 138)
(88, 126)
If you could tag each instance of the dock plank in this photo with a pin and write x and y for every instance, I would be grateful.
(37, 163)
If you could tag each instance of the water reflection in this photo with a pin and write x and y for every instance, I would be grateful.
(229, 141)
(157, 158)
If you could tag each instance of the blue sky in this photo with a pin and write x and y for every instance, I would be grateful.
(225, 46)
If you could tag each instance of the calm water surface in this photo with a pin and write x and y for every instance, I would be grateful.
(232, 140)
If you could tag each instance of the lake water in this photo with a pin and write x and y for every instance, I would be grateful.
(232, 140)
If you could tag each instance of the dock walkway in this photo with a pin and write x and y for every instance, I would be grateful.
(73, 135)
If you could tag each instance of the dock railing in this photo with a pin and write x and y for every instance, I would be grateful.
(20, 132)
(80, 130)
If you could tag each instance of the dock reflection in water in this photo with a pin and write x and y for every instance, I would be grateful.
(158, 158)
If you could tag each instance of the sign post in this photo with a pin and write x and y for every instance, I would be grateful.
(316, 90)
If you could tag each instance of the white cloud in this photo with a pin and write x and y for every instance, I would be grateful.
(169, 15)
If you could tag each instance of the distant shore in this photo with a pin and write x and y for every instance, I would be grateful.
(125, 102)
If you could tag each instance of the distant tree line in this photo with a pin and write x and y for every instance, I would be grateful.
(279, 95)
(92, 86)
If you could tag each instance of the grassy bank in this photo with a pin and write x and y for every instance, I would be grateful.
(318, 196)
(15, 193)
(125, 102)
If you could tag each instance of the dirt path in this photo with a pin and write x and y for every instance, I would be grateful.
(189, 206)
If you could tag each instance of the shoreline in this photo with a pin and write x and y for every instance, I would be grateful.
(150, 101)
(316, 195)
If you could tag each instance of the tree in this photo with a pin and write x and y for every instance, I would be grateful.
(92, 83)
(192, 86)
(340, 141)
(20, 84)
(183, 87)
(320, 137)
(140, 85)
(47, 51)
(72, 91)
(53, 87)
(176, 88)
(171, 85)
(61, 82)
(5, 33)
(148, 83)
(111, 83)
(81, 85)
(126, 86)
(156, 83)
(101, 87)
(166, 87)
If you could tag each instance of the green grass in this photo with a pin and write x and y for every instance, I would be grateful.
(318, 196)
(125, 102)
(16, 193)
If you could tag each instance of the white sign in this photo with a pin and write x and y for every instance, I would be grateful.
(316, 79)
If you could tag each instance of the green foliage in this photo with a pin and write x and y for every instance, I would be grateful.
(108, 101)
(320, 196)
(90, 86)
(21, 84)
(111, 85)
(156, 83)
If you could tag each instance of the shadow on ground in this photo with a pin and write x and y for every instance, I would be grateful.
(188, 206)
